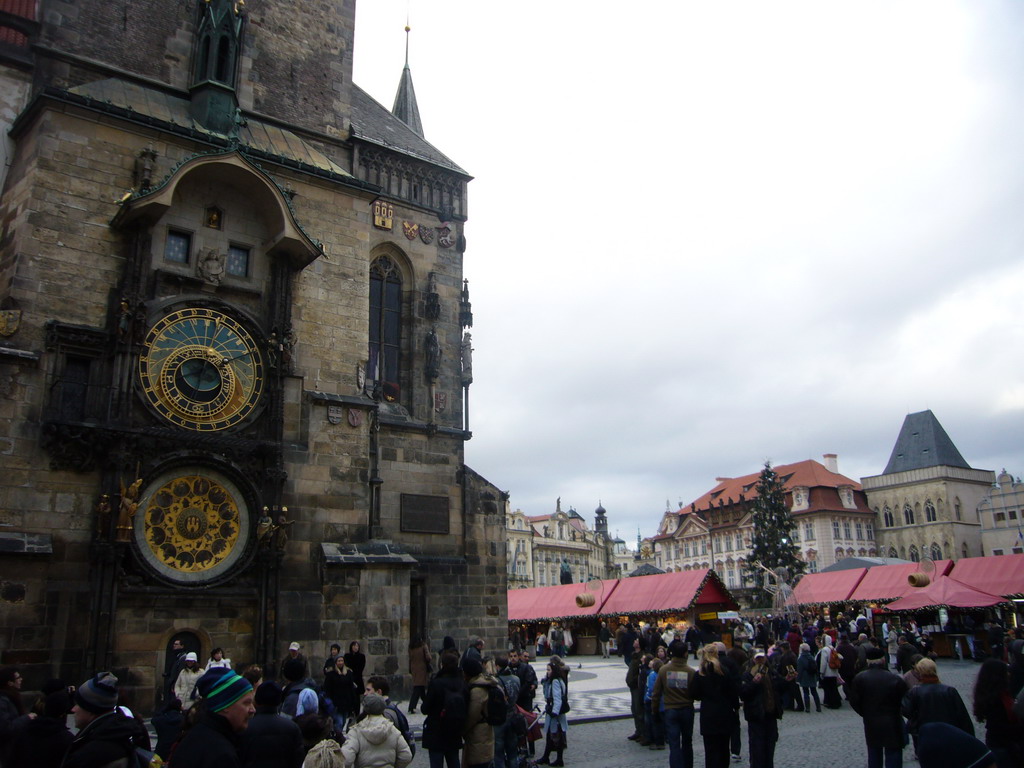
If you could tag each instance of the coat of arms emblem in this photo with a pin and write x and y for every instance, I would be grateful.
(410, 229)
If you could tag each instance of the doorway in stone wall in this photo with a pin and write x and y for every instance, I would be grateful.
(191, 643)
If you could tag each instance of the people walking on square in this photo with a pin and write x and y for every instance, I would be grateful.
(445, 710)
(634, 678)
(271, 741)
(807, 677)
(556, 725)
(340, 688)
(719, 702)
(761, 690)
(934, 702)
(185, 684)
(829, 674)
(653, 716)
(355, 660)
(604, 636)
(993, 705)
(420, 667)
(876, 695)
(672, 696)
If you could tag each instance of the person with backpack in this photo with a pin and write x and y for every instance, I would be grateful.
(481, 714)
(295, 672)
(556, 725)
(374, 742)
(445, 710)
(507, 735)
(379, 685)
(829, 662)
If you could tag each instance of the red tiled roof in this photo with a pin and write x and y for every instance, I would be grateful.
(811, 474)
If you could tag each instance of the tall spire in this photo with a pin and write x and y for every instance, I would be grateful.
(405, 108)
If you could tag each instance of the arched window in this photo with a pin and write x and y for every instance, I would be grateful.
(893, 553)
(929, 512)
(956, 511)
(887, 517)
(914, 556)
(908, 514)
(385, 351)
(936, 552)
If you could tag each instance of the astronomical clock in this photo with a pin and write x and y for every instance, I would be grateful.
(202, 370)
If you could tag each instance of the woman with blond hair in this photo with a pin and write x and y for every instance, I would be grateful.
(933, 702)
(719, 704)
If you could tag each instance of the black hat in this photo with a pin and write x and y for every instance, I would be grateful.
(471, 667)
(269, 694)
(294, 669)
(874, 654)
(677, 649)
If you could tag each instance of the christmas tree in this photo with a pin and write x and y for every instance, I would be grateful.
(773, 545)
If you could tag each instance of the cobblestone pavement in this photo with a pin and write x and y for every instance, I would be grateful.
(831, 738)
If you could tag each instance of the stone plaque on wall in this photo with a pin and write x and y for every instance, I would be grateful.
(424, 514)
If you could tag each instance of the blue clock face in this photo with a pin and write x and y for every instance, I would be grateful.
(201, 369)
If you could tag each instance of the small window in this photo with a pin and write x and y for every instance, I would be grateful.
(809, 531)
(871, 530)
(1012, 514)
(860, 530)
(846, 529)
(238, 261)
(178, 247)
(1000, 517)
(835, 529)
(997, 551)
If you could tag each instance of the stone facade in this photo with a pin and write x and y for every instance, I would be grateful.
(926, 503)
(541, 546)
(285, 460)
(1002, 517)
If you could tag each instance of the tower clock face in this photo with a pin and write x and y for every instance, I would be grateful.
(201, 369)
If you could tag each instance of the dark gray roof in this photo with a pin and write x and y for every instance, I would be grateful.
(849, 563)
(646, 570)
(923, 443)
(372, 122)
(405, 108)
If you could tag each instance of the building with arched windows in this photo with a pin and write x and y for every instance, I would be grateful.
(832, 519)
(1002, 517)
(926, 502)
(235, 356)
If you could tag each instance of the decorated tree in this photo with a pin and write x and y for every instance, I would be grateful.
(773, 544)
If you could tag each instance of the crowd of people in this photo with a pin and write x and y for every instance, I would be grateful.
(479, 711)
(888, 676)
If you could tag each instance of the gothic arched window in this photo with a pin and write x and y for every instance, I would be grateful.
(385, 326)
(908, 514)
(887, 517)
(936, 552)
(914, 556)
(929, 511)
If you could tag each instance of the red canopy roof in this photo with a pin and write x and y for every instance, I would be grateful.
(827, 587)
(996, 574)
(887, 582)
(665, 592)
(556, 602)
(945, 590)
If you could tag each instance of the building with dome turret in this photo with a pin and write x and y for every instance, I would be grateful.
(558, 548)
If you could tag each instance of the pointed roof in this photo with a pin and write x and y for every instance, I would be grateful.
(922, 443)
(405, 108)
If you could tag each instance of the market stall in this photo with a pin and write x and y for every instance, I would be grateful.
(828, 587)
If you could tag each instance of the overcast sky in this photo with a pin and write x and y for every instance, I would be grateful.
(706, 235)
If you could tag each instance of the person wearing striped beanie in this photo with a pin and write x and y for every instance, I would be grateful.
(104, 732)
(227, 707)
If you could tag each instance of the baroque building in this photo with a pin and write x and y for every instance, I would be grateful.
(1002, 517)
(558, 548)
(234, 349)
(926, 502)
(715, 531)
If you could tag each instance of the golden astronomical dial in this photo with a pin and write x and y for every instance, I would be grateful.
(193, 525)
(201, 369)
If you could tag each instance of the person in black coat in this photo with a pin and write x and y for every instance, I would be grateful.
(761, 690)
(355, 660)
(443, 738)
(167, 724)
(876, 695)
(214, 741)
(105, 733)
(719, 701)
(271, 741)
(43, 740)
(848, 665)
(933, 702)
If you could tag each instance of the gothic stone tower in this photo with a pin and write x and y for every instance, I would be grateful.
(233, 376)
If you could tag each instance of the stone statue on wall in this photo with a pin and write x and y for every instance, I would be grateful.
(433, 350)
(466, 354)
(126, 510)
(103, 510)
(211, 265)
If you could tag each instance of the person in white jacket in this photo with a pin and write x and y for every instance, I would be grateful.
(374, 742)
(186, 682)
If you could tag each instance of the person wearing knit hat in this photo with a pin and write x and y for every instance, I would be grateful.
(941, 745)
(374, 740)
(185, 684)
(104, 732)
(227, 706)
